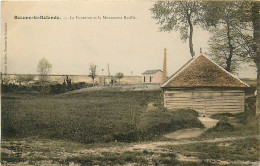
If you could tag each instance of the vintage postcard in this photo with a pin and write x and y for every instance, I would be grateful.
(130, 83)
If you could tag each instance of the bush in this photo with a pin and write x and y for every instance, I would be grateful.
(222, 116)
(47, 88)
(222, 126)
(58, 88)
(157, 122)
(245, 117)
(251, 105)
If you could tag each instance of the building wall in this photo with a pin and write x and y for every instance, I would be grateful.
(155, 78)
(205, 101)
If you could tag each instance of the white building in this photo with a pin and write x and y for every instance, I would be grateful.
(152, 76)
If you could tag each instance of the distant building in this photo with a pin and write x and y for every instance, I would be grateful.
(152, 76)
(206, 87)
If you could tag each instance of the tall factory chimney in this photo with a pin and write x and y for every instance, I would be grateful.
(164, 67)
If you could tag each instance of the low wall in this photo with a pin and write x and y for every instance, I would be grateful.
(77, 78)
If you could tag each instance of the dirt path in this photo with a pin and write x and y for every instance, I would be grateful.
(195, 132)
(156, 149)
(158, 146)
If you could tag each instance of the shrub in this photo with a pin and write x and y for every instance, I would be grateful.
(58, 88)
(158, 122)
(47, 88)
(222, 126)
(251, 105)
(222, 116)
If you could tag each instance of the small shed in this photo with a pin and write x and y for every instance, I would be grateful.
(152, 76)
(204, 86)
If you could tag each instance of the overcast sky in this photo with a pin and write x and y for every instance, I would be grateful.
(71, 45)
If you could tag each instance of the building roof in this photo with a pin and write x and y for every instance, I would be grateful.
(203, 72)
(151, 71)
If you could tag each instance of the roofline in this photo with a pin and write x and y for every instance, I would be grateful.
(212, 62)
(152, 73)
(179, 72)
(227, 72)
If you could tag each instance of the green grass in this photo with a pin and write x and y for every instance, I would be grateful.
(245, 150)
(57, 152)
(160, 121)
(241, 124)
(89, 117)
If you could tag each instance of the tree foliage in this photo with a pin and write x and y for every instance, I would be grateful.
(179, 16)
(119, 76)
(227, 46)
(44, 68)
(24, 78)
(245, 18)
(6, 79)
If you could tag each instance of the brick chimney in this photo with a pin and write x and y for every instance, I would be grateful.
(164, 67)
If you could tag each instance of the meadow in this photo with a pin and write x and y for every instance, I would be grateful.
(117, 127)
(89, 117)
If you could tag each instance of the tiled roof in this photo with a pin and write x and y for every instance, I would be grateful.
(151, 71)
(203, 72)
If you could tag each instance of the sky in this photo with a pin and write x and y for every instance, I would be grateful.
(71, 45)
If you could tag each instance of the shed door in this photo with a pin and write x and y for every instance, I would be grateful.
(207, 104)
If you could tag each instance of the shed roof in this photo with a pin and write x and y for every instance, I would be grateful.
(203, 72)
(151, 71)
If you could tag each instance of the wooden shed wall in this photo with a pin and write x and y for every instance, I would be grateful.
(206, 101)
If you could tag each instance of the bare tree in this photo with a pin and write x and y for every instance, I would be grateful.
(92, 72)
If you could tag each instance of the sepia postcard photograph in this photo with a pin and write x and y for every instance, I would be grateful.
(125, 82)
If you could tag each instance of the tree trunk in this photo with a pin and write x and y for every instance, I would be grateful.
(256, 47)
(258, 88)
(229, 58)
(190, 37)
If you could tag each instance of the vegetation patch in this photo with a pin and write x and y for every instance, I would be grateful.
(157, 122)
(246, 149)
(94, 116)
(240, 124)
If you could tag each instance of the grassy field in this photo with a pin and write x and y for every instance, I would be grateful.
(100, 127)
(95, 116)
(57, 152)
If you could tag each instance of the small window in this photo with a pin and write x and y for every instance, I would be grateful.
(150, 78)
(144, 78)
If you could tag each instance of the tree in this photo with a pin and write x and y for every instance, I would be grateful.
(255, 17)
(44, 68)
(6, 79)
(246, 13)
(92, 72)
(24, 78)
(178, 15)
(227, 46)
(119, 76)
